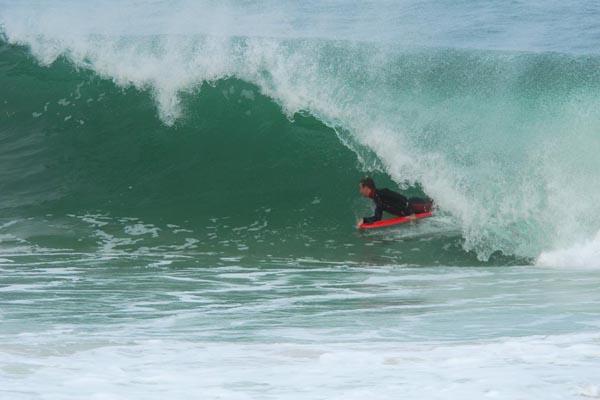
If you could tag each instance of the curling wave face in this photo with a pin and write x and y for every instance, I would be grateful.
(505, 138)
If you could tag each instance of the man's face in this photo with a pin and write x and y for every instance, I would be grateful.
(365, 191)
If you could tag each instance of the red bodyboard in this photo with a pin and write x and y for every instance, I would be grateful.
(393, 221)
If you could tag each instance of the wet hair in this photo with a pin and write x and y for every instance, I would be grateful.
(368, 182)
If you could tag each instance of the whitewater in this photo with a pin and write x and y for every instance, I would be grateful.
(179, 193)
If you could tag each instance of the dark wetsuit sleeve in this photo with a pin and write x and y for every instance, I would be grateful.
(376, 217)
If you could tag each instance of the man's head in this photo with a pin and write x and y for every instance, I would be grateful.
(367, 187)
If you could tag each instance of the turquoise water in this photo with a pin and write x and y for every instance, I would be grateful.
(179, 196)
(187, 326)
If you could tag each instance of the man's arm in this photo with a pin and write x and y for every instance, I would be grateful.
(376, 217)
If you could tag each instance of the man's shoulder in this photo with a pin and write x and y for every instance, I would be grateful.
(385, 192)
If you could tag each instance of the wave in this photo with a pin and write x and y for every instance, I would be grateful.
(505, 142)
(581, 255)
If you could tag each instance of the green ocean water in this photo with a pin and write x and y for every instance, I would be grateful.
(179, 195)
(235, 171)
(233, 154)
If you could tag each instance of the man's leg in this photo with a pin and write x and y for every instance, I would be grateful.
(419, 205)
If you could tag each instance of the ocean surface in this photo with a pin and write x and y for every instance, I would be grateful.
(178, 199)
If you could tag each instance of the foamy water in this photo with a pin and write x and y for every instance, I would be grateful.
(155, 326)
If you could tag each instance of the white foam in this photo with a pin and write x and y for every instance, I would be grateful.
(142, 229)
(581, 255)
(529, 367)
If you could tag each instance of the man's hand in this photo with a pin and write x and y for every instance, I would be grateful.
(359, 223)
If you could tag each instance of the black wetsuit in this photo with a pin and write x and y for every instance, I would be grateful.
(394, 203)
